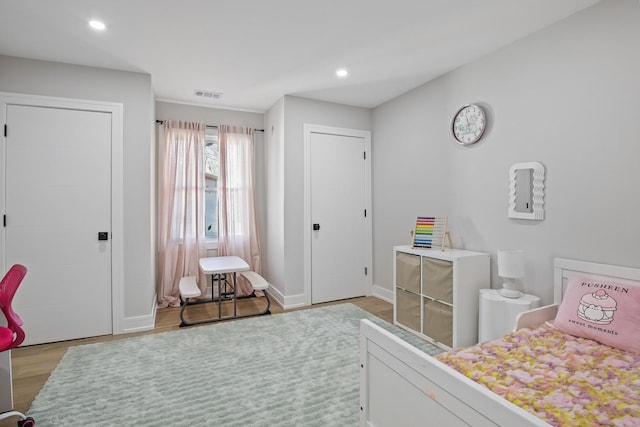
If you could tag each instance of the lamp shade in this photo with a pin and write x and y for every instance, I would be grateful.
(511, 263)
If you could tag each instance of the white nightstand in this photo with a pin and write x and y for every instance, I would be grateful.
(497, 314)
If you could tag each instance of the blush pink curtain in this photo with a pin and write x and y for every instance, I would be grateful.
(181, 234)
(237, 224)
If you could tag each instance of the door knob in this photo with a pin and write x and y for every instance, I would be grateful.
(316, 227)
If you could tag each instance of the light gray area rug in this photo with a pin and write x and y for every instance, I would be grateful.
(299, 368)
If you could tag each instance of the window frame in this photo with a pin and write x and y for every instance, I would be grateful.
(211, 136)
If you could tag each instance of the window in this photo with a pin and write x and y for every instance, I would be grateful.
(212, 170)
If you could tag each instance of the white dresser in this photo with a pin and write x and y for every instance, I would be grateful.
(436, 293)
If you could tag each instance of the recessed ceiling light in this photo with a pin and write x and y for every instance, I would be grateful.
(342, 73)
(97, 25)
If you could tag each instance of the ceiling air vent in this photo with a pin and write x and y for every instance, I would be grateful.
(207, 94)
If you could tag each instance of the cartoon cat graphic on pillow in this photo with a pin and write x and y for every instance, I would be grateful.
(597, 307)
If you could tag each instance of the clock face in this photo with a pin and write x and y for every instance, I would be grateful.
(469, 124)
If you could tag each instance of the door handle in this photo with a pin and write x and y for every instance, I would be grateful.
(316, 227)
(103, 235)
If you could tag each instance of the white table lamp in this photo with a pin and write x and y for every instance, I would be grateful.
(510, 268)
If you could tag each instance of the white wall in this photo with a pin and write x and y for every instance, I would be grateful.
(27, 76)
(274, 247)
(280, 160)
(297, 112)
(566, 96)
(410, 171)
(166, 110)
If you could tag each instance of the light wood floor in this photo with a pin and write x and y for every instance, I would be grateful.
(32, 365)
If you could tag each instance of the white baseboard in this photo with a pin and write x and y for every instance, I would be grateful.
(383, 293)
(141, 323)
(296, 301)
(286, 301)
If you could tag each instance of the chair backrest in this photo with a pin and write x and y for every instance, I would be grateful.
(8, 288)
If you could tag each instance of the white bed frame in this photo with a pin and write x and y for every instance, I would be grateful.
(403, 386)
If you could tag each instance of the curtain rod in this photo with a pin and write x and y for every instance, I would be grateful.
(210, 126)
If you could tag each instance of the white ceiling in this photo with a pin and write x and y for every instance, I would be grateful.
(256, 51)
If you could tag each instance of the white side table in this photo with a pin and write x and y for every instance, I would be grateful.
(498, 314)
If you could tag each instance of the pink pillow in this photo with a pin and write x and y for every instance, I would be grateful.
(606, 312)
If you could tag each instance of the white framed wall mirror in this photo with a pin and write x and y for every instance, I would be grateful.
(526, 191)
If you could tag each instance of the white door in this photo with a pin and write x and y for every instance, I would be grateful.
(338, 241)
(57, 201)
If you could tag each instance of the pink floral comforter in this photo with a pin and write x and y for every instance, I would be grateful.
(564, 380)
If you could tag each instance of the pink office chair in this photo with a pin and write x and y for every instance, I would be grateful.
(12, 335)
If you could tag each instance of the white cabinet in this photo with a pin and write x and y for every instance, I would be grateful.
(436, 293)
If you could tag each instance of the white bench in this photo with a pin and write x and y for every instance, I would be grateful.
(189, 287)
(257, 281)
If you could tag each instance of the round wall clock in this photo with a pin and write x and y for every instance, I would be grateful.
(469, 124)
